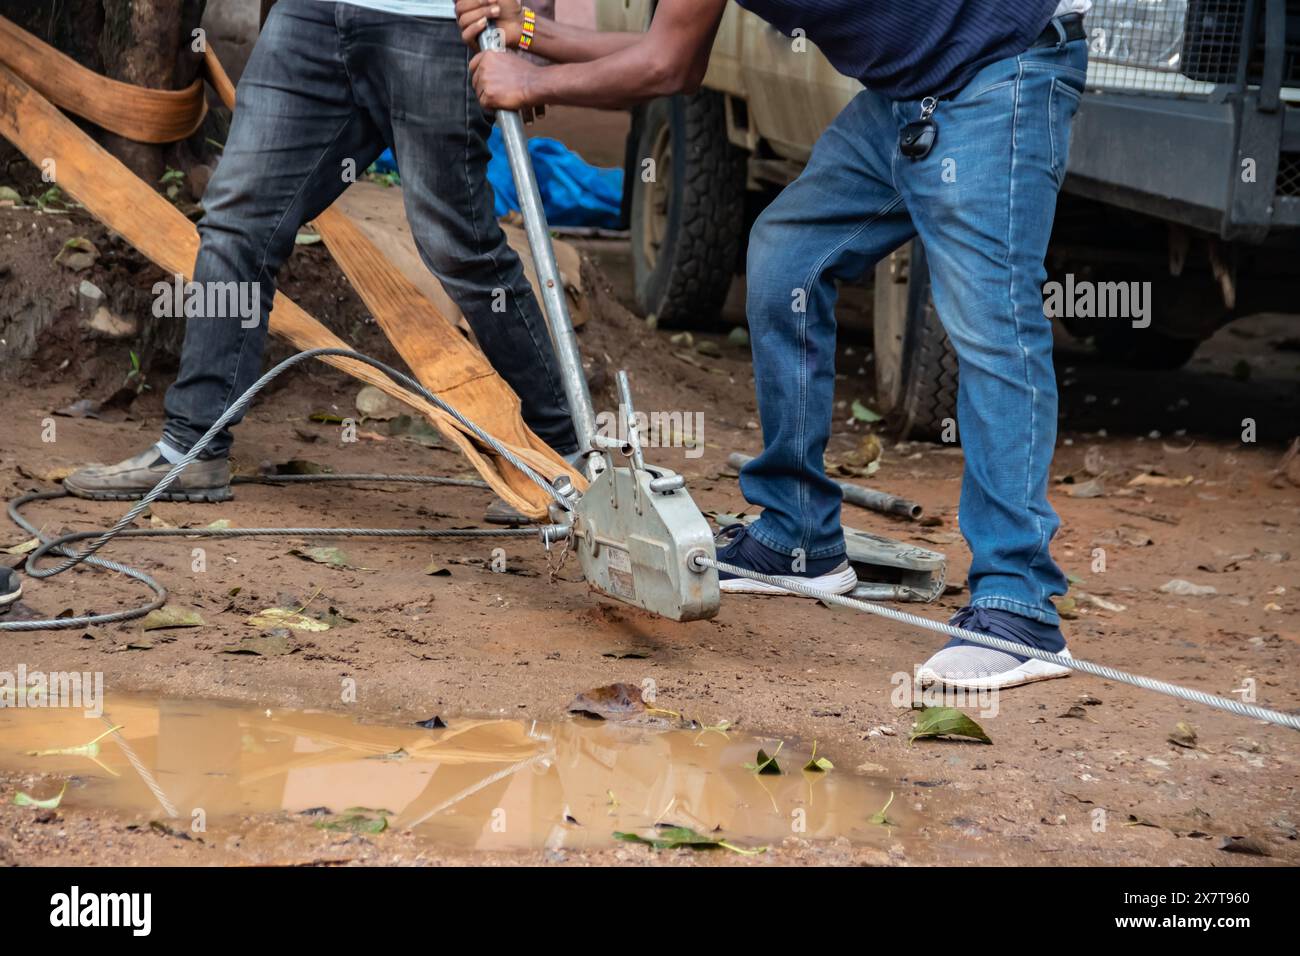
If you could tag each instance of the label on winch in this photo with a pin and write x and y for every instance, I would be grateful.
(619, 563)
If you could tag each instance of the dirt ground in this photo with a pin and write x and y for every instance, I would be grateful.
(479, 643)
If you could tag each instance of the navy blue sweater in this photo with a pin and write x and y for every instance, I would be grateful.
(907, 49)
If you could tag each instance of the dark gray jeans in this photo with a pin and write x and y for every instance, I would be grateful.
(328, 86)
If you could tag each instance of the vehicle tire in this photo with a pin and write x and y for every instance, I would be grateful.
(916, 366)
(687, 224)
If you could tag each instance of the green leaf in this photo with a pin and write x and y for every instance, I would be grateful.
(946, 722)
(817, 764)
(669, 837)
(164, 617)
(24, 800)
(360, 822)
(764, 764)
(879, 818)
(90, 749)
(864, 414)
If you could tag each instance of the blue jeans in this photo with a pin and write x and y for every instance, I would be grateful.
(328, 86)
(982, 202)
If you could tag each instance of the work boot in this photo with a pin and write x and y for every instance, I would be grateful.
(963, 664)
(736, 546)
(136, 477)
(11, 587)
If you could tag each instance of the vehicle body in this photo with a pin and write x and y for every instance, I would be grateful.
(1184, 173)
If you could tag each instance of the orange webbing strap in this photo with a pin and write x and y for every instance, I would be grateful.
(144, 115)
(437, 354)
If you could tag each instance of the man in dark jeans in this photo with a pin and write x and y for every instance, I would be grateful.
(328, 86)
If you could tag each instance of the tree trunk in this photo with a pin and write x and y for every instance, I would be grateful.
(144, 42)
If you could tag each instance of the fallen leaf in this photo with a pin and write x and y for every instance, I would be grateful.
(611, 702)
(946, 722)
(52, 803)
(333, 557)
(433, 723)
(763, 764)
(864, 414)
(1149, 480)
(669, 837)
(165, 617)
(1092, 488)
(1243, 844)
(81, 408)
(817, 764)
(1187, 589)
(283, 617)
(879, 818)
(1183, 735)
(358, 822)
(27, 547)
(77, 254)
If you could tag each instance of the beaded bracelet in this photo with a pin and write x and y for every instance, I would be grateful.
(529, 28)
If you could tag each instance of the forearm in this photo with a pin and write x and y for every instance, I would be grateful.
(565, 43)
(621, 79)
(614, 70)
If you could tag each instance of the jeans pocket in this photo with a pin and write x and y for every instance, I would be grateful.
(1063, 103)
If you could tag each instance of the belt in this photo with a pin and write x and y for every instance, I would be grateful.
(1061, 29)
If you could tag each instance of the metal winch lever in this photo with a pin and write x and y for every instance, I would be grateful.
(636, 529)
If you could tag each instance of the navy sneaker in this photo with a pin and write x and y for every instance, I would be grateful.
(11, 587)
(963, 664)
(737, 546)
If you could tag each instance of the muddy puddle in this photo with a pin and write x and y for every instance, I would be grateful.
(473, 784)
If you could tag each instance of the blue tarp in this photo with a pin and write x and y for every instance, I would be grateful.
(574, 192)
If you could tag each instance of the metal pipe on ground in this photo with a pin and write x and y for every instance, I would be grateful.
(860, 495)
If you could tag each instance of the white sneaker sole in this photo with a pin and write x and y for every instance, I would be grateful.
(11, 597)
(841, 580)
(1031, 671)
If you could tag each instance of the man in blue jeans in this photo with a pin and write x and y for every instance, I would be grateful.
(960, 137)
(328, 86)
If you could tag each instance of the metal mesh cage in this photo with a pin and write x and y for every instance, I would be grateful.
(1288, 174)
(1183, 47)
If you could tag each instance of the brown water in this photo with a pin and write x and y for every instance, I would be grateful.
(484, 784)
